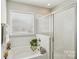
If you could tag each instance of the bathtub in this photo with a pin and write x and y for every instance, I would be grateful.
(25, 53)
(37, 56)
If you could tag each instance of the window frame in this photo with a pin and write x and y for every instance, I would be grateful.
(23, 32)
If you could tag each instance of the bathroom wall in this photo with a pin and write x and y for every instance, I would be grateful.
(20, 7)
(63, 6)
(21, 41)
(3, 11)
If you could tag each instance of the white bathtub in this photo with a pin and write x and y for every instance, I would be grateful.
(25, 53)
(37, 56)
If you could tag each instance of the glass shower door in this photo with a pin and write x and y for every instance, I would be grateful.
(65, 34)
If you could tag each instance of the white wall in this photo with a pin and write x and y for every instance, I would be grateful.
(20, 41)
(63, 6)
(20, 7)
(3, 11)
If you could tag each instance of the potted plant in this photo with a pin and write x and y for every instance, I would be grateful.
(34, 44)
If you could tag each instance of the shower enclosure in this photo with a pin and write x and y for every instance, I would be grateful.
(62, 33)
(65, 34)
(56, 31)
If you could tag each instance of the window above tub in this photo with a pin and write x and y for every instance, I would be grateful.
(21, 23)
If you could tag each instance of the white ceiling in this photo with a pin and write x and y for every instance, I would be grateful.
(40, 3)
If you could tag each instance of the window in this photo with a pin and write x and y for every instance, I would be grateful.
(21, 23)
(43, 24)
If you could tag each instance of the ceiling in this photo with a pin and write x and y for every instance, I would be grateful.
(40, 3)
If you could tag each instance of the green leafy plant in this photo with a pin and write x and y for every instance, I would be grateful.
(34, 44)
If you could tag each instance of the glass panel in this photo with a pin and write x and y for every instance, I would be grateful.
(64, 34)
